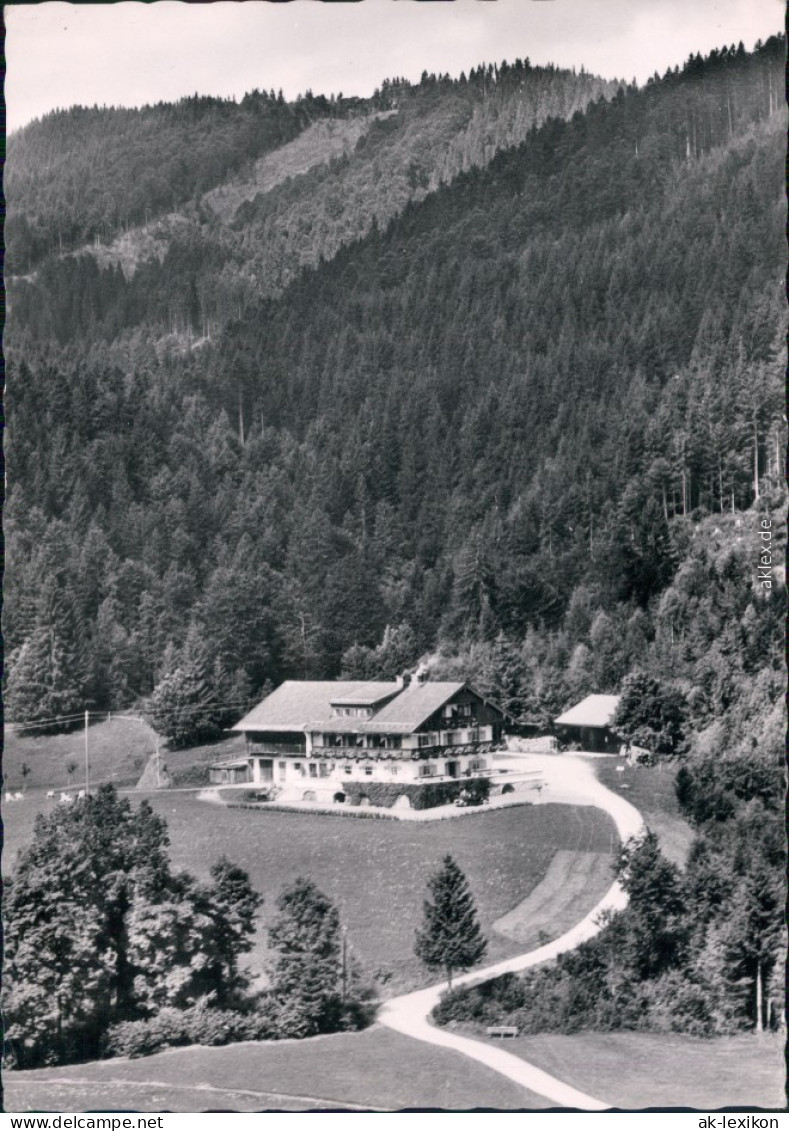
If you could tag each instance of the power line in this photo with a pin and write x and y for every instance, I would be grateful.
(199, 707)
(44, 722)
(109, 715)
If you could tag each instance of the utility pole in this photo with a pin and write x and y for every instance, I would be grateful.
(344, 963)
(87, 756)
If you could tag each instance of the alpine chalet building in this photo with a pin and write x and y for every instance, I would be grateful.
(328, 740)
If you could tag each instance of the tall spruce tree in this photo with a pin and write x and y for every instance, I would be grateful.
(451, 938)
(307, 976)
(317, 984)
(195, 698)
(44, 680)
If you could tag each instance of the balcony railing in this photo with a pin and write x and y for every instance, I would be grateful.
(455, 738)
(450, 752)
(459, 742)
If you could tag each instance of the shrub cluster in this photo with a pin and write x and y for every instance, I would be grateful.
(422, 795)
(490, 1003)
(196, 1026)
(545, 1001)
(561, 1000)
(323, 810)
(190, 775)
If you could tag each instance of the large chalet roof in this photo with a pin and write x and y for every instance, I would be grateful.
(296, 702)
(414, 706)
(307, 706)
(593, 711)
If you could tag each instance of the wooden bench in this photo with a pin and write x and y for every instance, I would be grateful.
(502, 1031)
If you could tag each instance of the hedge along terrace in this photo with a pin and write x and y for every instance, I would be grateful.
(384, 795)
(421, 796)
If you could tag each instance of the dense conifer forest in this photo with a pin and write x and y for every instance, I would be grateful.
(234, 200)
(496, 380)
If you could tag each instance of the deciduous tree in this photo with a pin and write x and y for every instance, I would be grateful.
(651, 714)
(99, 930)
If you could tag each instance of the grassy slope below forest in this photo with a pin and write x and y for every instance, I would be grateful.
(118, 752)
(375, 871)
(652, 790)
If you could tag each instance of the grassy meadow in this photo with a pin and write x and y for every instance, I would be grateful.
(376, 871)
(376, 1069)
(118, 750)
(637, 1070)
(384, 1070)
(651, 790)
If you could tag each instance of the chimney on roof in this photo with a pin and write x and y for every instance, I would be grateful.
(404, 680)
(422, 674)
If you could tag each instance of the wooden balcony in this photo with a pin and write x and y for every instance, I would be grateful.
(449, 752)
(275, 750)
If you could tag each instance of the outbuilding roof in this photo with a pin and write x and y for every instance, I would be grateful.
(593, 711)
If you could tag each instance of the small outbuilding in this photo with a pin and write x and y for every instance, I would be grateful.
(588, 724)
(233, 772)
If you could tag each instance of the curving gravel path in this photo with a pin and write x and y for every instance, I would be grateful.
(568, 780)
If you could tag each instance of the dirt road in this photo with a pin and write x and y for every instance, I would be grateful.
(568, 780)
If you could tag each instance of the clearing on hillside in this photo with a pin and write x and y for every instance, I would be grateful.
(119, 747)
(376, 871)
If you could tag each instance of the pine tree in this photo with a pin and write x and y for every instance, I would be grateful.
(186, 705)
(654, 932)
(44, 680)
(231, 904)
(502, 674)
(451, 938)
(307, 975)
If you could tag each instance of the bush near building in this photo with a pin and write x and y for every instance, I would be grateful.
(428, 795)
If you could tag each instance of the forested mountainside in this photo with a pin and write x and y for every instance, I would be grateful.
(233, 201)
(524, 423)
(526, 384)
(85, 174)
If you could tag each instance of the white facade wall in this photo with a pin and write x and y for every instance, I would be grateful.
(334, 771)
